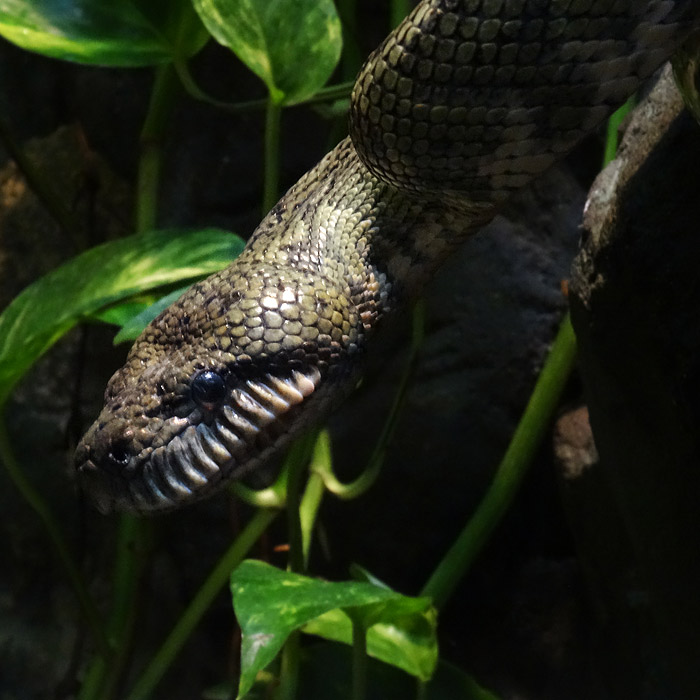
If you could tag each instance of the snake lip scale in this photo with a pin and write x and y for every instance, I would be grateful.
(198, 458)
(464, 103)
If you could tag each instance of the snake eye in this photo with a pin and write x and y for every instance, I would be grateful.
(208, 389)
(119, 456)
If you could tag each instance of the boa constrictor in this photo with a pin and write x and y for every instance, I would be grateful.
(465, 102)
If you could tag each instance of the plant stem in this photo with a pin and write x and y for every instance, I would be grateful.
(296, 546)
(270, 497)
(613, 128)
(331, 92)
(218, 578)
(102, 680)
(273, 117)
(308, 510)
(359, 660)
(132, 556)
(296, 465)
(513, 467)
(129, 568)
(160, 108)
(322, 464)
(37, 503)
(325, 94)
(91, 686)
(352, 55)
(289, 671)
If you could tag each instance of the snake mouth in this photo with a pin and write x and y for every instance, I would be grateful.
(259, 416)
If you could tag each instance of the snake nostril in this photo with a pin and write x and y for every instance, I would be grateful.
(82, 454)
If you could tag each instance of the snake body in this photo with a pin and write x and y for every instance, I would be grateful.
(465, 102)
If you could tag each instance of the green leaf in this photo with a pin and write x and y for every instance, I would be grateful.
(270, 604)
(134, 314)
(405, 639)
(108, 33)
(293, 45)
(359, 573)
(132, 327)
(123, 312)
(52, 305)
(451, 682)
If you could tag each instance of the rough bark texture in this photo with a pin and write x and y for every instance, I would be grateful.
(635, 297)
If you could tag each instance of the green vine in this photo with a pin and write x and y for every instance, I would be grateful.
(527, 438)
(217, 579)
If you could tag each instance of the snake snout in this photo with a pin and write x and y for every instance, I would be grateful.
(190, 457)
(100, 484)
(104, 459)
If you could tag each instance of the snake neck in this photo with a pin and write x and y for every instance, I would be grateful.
(284, 326)
(353, 232)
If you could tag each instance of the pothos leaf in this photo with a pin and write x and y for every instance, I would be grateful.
(115, 33)
(293, 45)
(270, 604)
(52, 305)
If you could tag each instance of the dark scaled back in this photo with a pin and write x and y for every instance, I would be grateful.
(479, 96)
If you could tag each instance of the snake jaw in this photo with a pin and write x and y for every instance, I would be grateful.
(100, 475)
(258, 416)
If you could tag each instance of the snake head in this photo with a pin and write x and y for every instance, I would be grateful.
(213, 387)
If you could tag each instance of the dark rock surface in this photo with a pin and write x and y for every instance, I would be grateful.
(635, 299)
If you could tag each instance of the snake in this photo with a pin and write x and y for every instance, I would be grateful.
(465, 102)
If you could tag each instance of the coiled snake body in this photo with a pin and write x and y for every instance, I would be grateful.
(466, 101)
